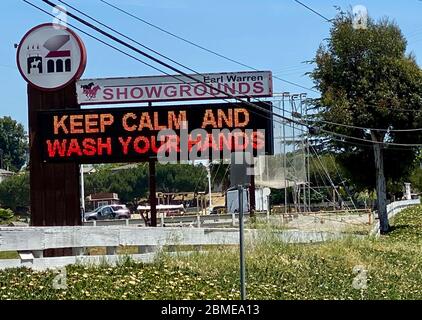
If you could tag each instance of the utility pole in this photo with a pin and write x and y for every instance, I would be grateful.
(381, 188)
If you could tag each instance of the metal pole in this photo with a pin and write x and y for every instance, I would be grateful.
(284, 160)
(308, 178)
(152, 189)
(152, 195)
(209, 185)
(252, 204)
(82, 192)
(242, 245)
(294, 151)
(304, 157)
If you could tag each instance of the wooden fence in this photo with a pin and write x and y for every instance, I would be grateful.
(30, 242)
(394, 208)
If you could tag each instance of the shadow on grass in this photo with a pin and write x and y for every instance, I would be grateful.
(399, 228)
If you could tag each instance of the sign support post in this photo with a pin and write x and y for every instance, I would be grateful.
(82, 191)
(242, 245)
(54, 187)
(209, 186)
(152, 193)
(51, 58)
(252, 204)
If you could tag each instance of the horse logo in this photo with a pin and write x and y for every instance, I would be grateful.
(90, 90)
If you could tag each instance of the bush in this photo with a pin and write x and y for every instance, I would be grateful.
(14, 192)
(6, 214)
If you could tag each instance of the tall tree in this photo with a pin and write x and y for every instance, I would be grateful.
(13, 144)
(366, 79)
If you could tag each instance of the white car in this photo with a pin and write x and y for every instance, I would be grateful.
(114, 211)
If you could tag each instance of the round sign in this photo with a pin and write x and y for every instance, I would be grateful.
(50, 56)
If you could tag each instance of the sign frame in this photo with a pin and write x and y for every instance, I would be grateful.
(164, 82)
(159, 114)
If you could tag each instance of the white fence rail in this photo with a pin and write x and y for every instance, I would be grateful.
(200, 221)
(31, 241)
(393, 208)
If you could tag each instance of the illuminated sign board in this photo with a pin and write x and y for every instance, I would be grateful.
(176, 133)
(174, 88)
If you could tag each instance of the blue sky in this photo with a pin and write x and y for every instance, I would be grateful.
(276, 35)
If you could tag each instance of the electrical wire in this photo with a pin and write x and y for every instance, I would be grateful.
(142, 45)
(371, 141)
(199, 46)
(158, 61)
(342, 180)
(127, 37)
(157, 69)
(366, 128)
(326, 172)
(312, 10)
(196, 80)
(232, 60)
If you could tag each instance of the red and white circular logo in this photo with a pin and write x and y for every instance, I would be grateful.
(50, 56)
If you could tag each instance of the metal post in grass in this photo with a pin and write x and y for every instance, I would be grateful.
(241, 245)
(239, 178)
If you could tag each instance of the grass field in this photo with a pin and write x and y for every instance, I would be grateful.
(392, 270)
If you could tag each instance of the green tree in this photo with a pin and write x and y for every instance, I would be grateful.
(14, 192)
(13, 144)
(367, 80)
(181, 178)
(416, 179)
(129, 184)
(132, 184)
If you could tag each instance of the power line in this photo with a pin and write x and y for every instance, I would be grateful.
(131, 39)
(127, 37)
(166, 57)
(158, 61)
(353, 126)
(155, 68)
(140, 44)
(196, 80)
(98, 39)
(363, 128)
(199, 46)
(366, 128)
(371, 141)
(310, 9)
(139, 60)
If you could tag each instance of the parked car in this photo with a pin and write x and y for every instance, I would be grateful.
(121, 211)
(218, 210)
(115, 211)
